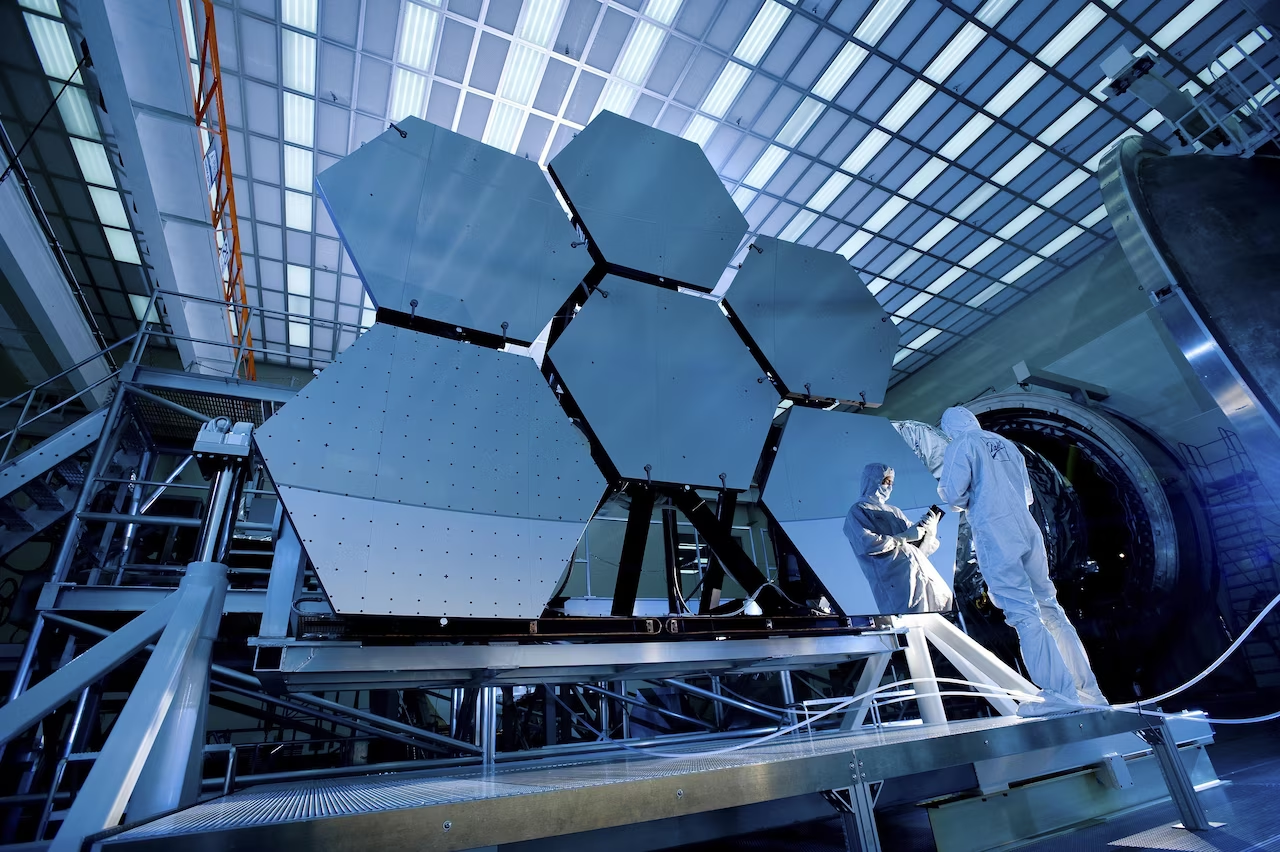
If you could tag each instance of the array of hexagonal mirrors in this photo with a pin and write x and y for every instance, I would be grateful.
(428, 475)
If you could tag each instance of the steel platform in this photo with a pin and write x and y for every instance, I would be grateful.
(321, 666)
(470, 809)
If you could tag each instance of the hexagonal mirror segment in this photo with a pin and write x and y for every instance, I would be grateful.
(427, 476)
(666, 385)
(814, 321)
(443, 227)
(649, 201)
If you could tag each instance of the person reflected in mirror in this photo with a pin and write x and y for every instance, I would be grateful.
(985, 475)
(893, 552)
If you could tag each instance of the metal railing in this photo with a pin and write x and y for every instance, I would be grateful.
(157, 332)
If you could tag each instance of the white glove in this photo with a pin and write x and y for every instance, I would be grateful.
(911, 534)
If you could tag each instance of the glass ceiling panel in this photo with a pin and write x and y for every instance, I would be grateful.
(901, 133)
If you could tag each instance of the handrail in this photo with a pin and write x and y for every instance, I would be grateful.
(72, 369)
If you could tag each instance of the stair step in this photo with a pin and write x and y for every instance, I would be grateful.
(12, 519)
(72, 472)
(42, 495)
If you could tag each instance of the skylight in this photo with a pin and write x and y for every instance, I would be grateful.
(839, 71)
(520, 77)
(299, 13)
(866, 151)
(1021, 269)
(407, 94)
(417, 36)
(503, 131)
(92, 158)
(640, 52)
(299, 120)
(966, 136)
(800, 122)
(298, 54)
(1011, 92)
(1182, 22)
(108, 206)
(798, 225)
(1098, 214)
(985, 296)
(917, 302)
(956, 51)
(52, 46)
(925, 338)
(1061, 241)
(907, 106)
(1071, 35)
(761, 33)
(879, 20)
(764, 168)
(830, 190)
(538, 26)
(662, 11)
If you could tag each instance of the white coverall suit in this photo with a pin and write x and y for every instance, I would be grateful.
(986, 475)
(901, 577)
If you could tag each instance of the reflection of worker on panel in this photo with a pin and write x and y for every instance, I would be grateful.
(985, 474)
(893, 553)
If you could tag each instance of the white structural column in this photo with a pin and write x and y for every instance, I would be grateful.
(115, 773)
(172, 774)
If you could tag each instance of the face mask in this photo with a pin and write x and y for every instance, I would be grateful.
(883, 492)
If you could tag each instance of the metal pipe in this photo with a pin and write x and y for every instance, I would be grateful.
(93, 630)
(353, 724)
(160, 520)
(135, 500)
(168, 481)
(211, 531)
(788, 696)
(101, 454)
(723, 699)
(391, 724)
(170, 404)
(661, 711)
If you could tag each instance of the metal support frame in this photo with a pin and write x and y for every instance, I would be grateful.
(287, 566)
(726, 548)
(872, 673)
(1164, 746)
(920, 665)
(115, 773)
(634, 540)
(856, 806)
(713, 578)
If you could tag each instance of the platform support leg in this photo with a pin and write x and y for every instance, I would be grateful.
(1165, 748)
(858, 819)
(926, 684)
(872, 673)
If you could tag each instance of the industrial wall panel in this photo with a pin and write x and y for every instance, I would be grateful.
(472, 234)
(650, 200)
(815, 481)
(427, 476)
(663, 380)
(815, 322)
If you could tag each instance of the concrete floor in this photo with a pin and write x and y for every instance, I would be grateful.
(1249, 805)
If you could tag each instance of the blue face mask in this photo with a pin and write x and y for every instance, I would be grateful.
(883, 492)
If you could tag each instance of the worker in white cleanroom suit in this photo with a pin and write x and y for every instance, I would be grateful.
(985, 475)
(894, 553)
